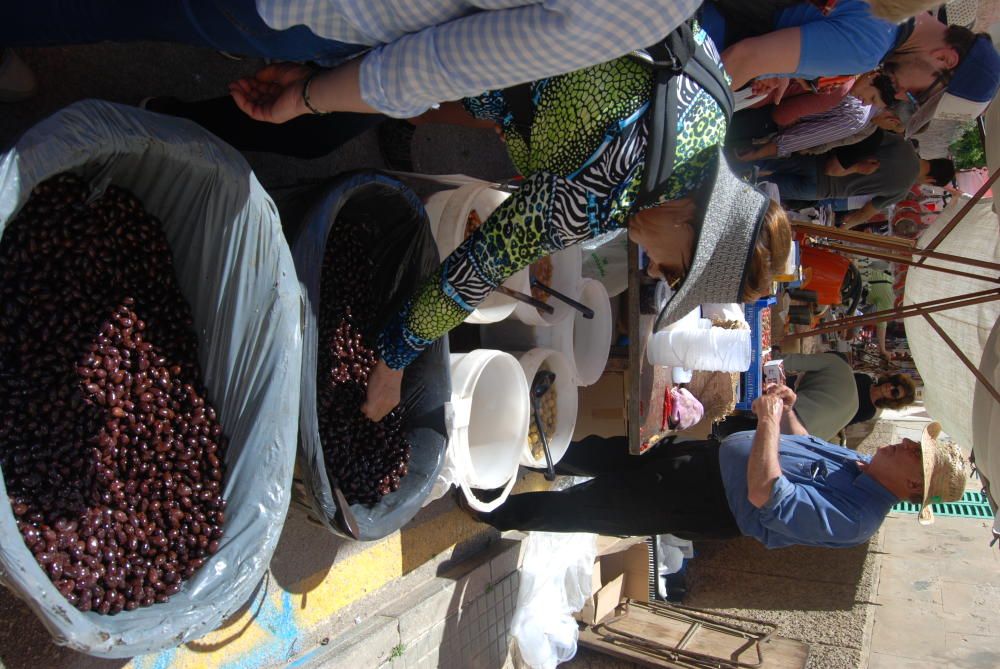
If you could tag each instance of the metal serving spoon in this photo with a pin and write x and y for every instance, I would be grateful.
(539, 386)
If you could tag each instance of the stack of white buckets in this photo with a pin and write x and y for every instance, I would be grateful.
(491, 408)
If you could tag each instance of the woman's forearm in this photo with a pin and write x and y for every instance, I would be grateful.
(507, 242)
(338, 90)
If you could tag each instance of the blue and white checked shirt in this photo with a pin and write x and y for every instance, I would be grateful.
(820, 499)
(429, 51)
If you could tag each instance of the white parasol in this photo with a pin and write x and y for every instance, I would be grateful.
(965, 406)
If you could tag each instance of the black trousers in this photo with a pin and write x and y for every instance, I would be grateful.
(309, 136)
(673, 489)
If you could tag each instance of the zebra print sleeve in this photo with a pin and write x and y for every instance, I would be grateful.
(546, 214)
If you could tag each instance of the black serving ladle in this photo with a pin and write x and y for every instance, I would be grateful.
(527, 299)
(586, 311)
(539, 386)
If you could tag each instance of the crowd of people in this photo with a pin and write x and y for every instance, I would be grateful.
(617, 115)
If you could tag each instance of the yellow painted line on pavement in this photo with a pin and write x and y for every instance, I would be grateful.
(271, 626)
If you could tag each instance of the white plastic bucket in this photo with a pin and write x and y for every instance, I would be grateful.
(490, 422)
(566, 402)
(448, 212)
(586, 342)
(590, 338)
(567, 268)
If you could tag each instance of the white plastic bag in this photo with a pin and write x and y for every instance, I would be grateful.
(671, 552)
(555, 583)
(450, 471)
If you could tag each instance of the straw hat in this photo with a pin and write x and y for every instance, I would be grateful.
(944, 471)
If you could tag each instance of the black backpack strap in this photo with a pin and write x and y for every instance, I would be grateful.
(671, 55)
(668, 59)
(694, 60)
(706, 72)
(521, 108)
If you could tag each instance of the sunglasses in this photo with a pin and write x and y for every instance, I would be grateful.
(940, 82)
(896, 392)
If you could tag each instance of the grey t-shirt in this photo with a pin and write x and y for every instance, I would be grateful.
(899, 166)
(827, 395)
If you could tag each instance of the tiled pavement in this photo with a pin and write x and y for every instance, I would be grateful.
(460, 618)
(938, 591)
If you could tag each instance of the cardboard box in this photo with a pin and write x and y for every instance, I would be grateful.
(601, 409)
(621, 571)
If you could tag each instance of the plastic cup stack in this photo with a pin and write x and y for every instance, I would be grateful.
(703, 347)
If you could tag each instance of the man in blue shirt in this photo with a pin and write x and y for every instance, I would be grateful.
(800, 40)
(776, 484)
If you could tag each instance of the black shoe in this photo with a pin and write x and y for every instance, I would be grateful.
(395, 140)
(463, 504)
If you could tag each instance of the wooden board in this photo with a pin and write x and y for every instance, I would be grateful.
(633, 385)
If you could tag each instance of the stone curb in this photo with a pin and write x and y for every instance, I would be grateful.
(406, 626)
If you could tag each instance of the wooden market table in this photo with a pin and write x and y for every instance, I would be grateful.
(643, 381)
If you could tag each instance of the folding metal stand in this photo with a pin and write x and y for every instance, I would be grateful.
(655, 634)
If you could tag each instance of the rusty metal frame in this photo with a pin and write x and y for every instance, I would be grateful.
(698, 619)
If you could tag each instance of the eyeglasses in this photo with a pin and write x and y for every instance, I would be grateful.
(896, 392)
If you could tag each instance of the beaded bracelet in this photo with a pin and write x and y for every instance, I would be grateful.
(305, 95)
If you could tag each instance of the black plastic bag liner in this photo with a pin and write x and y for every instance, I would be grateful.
(235, 270)
(404, 254)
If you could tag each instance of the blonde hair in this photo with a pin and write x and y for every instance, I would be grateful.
(771, 249)
(899, 10)
(770, 253)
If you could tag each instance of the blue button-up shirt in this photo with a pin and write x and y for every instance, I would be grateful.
(821, 499)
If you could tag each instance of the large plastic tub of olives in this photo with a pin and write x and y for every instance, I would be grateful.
(235, 270)
(404, 253)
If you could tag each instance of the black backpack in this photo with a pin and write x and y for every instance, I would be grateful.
(677, 54)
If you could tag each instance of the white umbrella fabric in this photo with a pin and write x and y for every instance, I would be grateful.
(952, 395)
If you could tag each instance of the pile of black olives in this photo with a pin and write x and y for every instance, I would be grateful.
(112, 457)
(366, 459)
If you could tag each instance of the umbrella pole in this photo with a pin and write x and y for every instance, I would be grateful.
(867, 238)
(903, 312)
(887, 244)
(891, 257)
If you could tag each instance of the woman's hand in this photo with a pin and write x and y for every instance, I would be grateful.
(773, 86)
(384, 385)
(274, 94)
